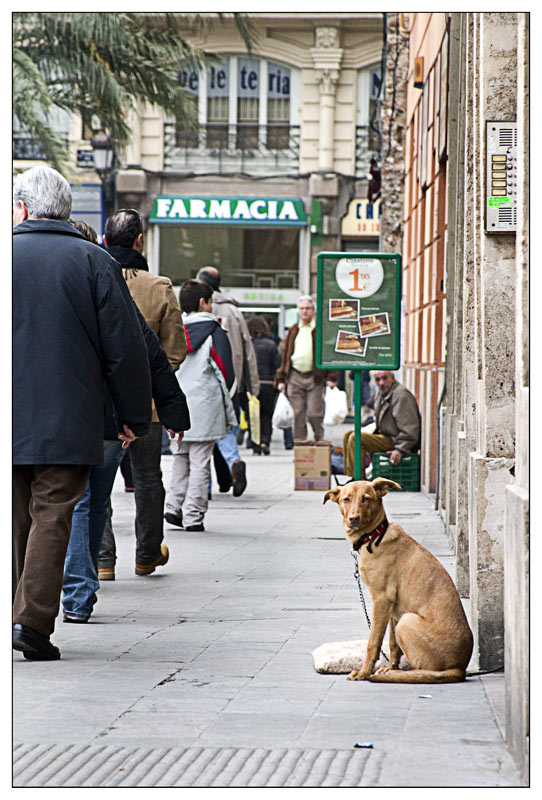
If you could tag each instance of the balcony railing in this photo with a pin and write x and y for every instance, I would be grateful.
(367, 145)
(219, 147)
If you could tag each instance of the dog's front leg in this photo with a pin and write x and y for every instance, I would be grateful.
(381, 615)
(395, 650)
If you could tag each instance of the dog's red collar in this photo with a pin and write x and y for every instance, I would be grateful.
(374, 536)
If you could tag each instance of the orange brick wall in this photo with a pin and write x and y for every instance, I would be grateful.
(424, 232)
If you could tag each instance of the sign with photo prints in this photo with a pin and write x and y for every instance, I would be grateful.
(358, 311)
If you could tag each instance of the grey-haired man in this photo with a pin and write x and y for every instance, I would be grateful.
(75, 326)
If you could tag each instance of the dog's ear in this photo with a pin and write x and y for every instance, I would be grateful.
(333, 494)
(381, 486)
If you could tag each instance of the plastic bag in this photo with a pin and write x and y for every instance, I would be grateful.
(254, 416)
(335, 405)
(283, 415)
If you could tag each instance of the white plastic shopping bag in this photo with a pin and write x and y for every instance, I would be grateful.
(283, 415)
(336, 407)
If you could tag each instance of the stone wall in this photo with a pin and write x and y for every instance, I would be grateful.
(516, 522)
(483, 487)
(393, 137)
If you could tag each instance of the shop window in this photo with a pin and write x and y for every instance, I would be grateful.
(246, 257)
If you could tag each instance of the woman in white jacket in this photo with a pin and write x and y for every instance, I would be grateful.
(207, 379)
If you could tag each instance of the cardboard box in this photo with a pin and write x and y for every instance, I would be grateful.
(312, 465)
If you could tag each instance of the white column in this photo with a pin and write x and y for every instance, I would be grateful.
(327, 56)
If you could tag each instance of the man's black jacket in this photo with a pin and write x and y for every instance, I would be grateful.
(74, 326)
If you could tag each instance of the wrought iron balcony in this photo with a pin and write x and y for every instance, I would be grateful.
(367, 145)
(219, 147)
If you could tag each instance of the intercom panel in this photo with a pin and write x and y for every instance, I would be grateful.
(501, 177)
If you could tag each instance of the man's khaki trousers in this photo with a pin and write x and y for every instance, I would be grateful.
(370, 443)
(307, 400)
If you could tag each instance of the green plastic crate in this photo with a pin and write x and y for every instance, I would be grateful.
(406, 474)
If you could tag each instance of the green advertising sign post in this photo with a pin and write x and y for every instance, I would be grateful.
(358, 324)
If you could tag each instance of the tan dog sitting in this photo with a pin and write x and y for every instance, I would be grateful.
(410, 590)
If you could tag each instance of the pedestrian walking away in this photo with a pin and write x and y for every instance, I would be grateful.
(298, 375)
(155, 298)
(268, 360)
(226, 308)
(74, 326)
(91, 524)
(208, 381)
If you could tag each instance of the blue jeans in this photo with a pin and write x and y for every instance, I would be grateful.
(81, 566)
(228, 446)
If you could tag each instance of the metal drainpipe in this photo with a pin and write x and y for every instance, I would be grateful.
(441, 398)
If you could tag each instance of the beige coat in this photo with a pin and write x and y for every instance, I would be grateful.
(244, 358)
(397, 416)
(155, 298)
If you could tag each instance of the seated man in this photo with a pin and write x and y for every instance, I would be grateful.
(398, 425)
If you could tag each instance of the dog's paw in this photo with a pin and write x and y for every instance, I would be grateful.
(357, 675)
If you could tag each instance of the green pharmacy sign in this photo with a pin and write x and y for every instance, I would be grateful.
(359, 311)
(243, 211)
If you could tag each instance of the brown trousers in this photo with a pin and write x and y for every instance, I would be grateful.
(44, 497)
(370, 443)
(307, 400)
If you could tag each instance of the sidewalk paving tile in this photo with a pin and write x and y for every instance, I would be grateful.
(202, 673)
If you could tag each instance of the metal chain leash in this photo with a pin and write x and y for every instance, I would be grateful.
(357, 576)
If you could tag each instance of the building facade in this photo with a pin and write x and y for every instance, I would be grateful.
(465, 256)
(281, 155)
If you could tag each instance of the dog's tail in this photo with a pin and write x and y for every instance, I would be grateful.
(454, 675)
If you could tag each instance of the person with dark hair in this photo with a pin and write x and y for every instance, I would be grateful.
(155, 298)
(191, 293)
(226, 308)
(75, 327)
(208, 381)
(88, 232)
(125, 229)
(268, 360)
(92, 513)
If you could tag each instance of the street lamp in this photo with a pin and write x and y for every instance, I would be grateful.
(103, 152)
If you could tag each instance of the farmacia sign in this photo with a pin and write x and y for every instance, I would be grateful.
(228, 210)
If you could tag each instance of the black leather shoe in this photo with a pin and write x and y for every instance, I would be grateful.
(238, 471)
(174, 519)
(74, 618)
(196, 527)
(33, 645)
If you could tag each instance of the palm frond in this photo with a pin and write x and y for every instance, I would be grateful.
(104, 63)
